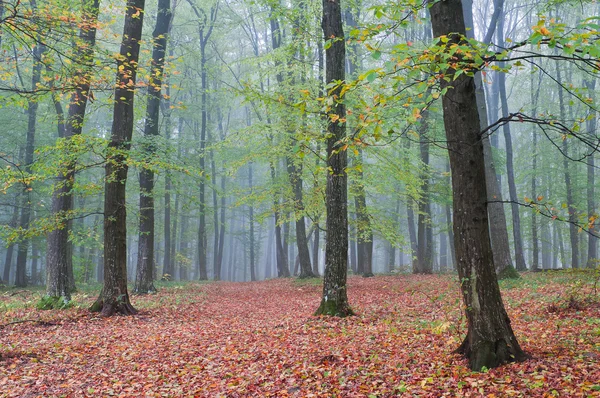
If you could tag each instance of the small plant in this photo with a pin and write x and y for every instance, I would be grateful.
(53, 303)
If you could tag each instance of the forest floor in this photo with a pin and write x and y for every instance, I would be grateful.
(260, 339)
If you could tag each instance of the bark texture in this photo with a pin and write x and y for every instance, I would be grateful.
(114, 297)
(335, 299)
(490, 340)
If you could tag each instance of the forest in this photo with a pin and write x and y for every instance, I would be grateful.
(299, 198)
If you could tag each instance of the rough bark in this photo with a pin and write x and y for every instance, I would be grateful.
(490, 340)
(114, 297)
(335, 299)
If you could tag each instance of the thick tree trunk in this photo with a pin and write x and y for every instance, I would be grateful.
(335, 298)
(114, 297)
(490, 340)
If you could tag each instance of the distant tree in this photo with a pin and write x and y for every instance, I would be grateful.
(145, 264)
(59, 262)
(114, 297)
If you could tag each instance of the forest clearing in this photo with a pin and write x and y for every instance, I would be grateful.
(223, 339)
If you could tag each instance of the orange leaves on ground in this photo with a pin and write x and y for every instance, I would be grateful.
(260, 339)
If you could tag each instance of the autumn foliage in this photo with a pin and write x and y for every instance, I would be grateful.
(260, 339)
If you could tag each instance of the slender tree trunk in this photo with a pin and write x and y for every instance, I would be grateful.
(498, 230)
(251, 229)
(335, 299)
(295, 176)
(114, 297)
(168, 271)
(592, 254)
(25, 218)
(568, 183)
(205, 27)
(449, 223)
(11, 248)
(424, 232)
(364, 231)
(512, 188)
(144, 280)
(59, 262)
(534, 194)
(490, 340)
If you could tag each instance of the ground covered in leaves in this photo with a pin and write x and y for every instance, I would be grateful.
(260, 339)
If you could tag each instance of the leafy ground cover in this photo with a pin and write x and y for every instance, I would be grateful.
(260, 339)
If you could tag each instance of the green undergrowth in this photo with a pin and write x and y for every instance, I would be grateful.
(307, 281)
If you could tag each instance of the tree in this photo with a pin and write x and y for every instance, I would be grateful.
(498, 231)
(490, 340)
(335, 298)
(59, 261)
(145, 264)
(114, 297)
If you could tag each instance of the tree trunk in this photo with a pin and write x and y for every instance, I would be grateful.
(592, 254)
(335, 299)
(114, 297)
(32, 108)
(498, 230)
(251, 229)
(11, 248)
(144, 280)
(295, 176)
(490, 340)
(364, 231)
(512, 188)
(449, 223)
(568, 183)
(59, 262)
(424, 232)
